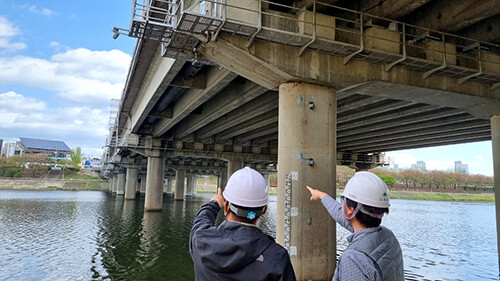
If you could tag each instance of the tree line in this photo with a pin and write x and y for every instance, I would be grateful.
(430, 180)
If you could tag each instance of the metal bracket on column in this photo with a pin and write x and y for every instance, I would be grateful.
(309, 161)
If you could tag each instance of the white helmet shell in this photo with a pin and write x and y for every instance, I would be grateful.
(368, 189)
(247, 188)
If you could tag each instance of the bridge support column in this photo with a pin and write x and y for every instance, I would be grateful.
(142, 184)
(113, 183)
(306, 156)
(495, 142)
(154, 184)
(170, 181)
(233, 165)
(131, 183)
(120, 185)
(179, 185)
(222, 180)
(189, 185)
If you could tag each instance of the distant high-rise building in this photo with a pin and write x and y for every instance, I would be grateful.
(461, 168)
(419, 166)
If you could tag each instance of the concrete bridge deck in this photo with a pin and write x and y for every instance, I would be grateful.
(298, 87)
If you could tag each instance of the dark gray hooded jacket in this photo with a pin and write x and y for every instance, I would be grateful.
(235, 251)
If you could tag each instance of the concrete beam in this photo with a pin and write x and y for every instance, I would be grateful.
(477, 105)
(282, 63)
(443, 15)
(375, 132)
(217, 79)
(487, 30)
(415, 133)
(415, 113)
(238, 60)
(480, 134)
(391, 9)
(159, 75)
(257, 122)
(226, 101)
(249, 110)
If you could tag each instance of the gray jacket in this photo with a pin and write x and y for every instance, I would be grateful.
(383, 248)
(235, 251)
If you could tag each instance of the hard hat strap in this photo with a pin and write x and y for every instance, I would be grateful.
(356, 210)
(250, 214)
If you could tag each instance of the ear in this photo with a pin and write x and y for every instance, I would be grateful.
(226, 207)
(265, 210)
(350, 211)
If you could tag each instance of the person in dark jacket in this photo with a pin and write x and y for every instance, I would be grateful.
(237, 249)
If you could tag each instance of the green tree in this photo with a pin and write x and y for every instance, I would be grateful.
(76, 156)
(389, 180)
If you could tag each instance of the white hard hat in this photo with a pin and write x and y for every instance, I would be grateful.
(368, 189)
(247, 188)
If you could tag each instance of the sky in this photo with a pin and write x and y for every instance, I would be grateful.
(60, 67)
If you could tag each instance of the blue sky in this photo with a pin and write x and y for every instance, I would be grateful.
(60, 67)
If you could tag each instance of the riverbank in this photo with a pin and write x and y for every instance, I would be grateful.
(443, 196)
(52, 184)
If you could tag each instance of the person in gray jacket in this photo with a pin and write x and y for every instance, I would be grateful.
(237, 249)
(374, 252)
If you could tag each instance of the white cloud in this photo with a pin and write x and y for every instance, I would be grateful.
(80, 76)
(37, 10)
(12, 102)
(7, 31)
(478, 157)
(24, 116)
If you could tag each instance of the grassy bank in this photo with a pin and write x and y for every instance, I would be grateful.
(441, 196)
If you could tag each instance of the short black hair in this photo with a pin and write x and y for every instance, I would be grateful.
(365, 219)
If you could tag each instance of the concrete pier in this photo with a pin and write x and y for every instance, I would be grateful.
(131, 183)
(233, 165)
(154, 184)
(120, 184)
(114, 183)
(179, 184)
(170, 181)
(495, 142)
(190, 185)
(307, 156)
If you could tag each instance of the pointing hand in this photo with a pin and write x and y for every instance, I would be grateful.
(316, 194)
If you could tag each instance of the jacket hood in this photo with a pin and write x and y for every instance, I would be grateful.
(232, 249)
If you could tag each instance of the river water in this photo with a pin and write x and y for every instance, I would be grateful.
(86, 235)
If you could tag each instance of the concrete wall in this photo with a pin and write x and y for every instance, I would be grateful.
(15, 183)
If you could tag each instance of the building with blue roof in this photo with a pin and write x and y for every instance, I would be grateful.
(52, 148)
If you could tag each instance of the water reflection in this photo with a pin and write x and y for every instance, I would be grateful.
(62, 235)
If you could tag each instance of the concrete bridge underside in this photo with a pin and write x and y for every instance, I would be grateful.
(232, 97)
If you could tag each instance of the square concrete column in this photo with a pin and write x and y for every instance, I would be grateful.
(189, 185)
(222, 181)
(113, 183)
(179, 184)
(495, 142)
(120, 185)
(233, 165)
(142, 183)
(306, 156)
(131, 183)
(154, 184)
(170, 181)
